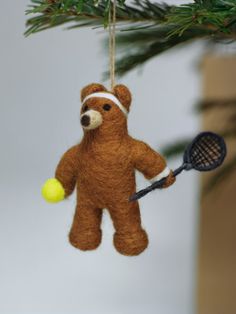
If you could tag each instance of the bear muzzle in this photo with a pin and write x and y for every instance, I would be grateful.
(91, 119)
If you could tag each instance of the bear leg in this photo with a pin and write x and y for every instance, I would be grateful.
(85, 232)
(129, 239)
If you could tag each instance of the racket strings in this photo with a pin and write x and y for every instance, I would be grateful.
(206, 152)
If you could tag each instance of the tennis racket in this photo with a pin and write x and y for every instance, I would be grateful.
(206, 152)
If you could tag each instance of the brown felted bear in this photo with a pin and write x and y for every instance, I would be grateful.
(102, 167)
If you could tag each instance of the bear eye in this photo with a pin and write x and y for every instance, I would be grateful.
(107, 107)
(85, 108)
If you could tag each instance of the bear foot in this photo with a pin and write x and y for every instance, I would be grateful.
(131, 243)
(85, 240)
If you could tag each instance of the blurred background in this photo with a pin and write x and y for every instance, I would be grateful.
(189, 266)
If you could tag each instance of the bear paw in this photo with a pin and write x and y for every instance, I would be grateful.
(132, 243)
(169, 180)
(85, 240)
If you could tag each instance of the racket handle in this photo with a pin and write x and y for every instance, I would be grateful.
(179, 170)
(155, 185)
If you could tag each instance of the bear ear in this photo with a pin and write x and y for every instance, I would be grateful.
(90, 89)
(123, 94)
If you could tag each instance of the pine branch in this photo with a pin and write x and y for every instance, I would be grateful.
(140, 46)
(146, 29)
(90, 13)
(218, 15)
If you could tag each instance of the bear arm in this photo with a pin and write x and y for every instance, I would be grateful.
(151, 164)
(67, 170)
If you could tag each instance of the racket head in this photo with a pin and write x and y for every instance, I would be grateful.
(206, 152)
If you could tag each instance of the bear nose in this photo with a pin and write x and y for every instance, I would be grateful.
(85, 120)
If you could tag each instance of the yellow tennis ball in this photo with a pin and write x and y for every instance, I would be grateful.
(53, 191)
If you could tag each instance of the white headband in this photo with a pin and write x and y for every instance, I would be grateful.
(108, 96)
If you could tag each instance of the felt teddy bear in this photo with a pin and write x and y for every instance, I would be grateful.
(102, 167)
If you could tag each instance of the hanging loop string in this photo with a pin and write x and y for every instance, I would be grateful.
(112, 42)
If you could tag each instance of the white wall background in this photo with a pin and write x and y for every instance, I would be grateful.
(40, 273)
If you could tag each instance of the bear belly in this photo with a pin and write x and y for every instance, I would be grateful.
(106, 179)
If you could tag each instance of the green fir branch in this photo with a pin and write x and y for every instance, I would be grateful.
(218, 15)
(145, 29)
(81, 13)
(139, 46)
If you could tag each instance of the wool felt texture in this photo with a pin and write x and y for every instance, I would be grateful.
(102, 168)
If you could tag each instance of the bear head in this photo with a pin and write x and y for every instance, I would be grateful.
(102, 109)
